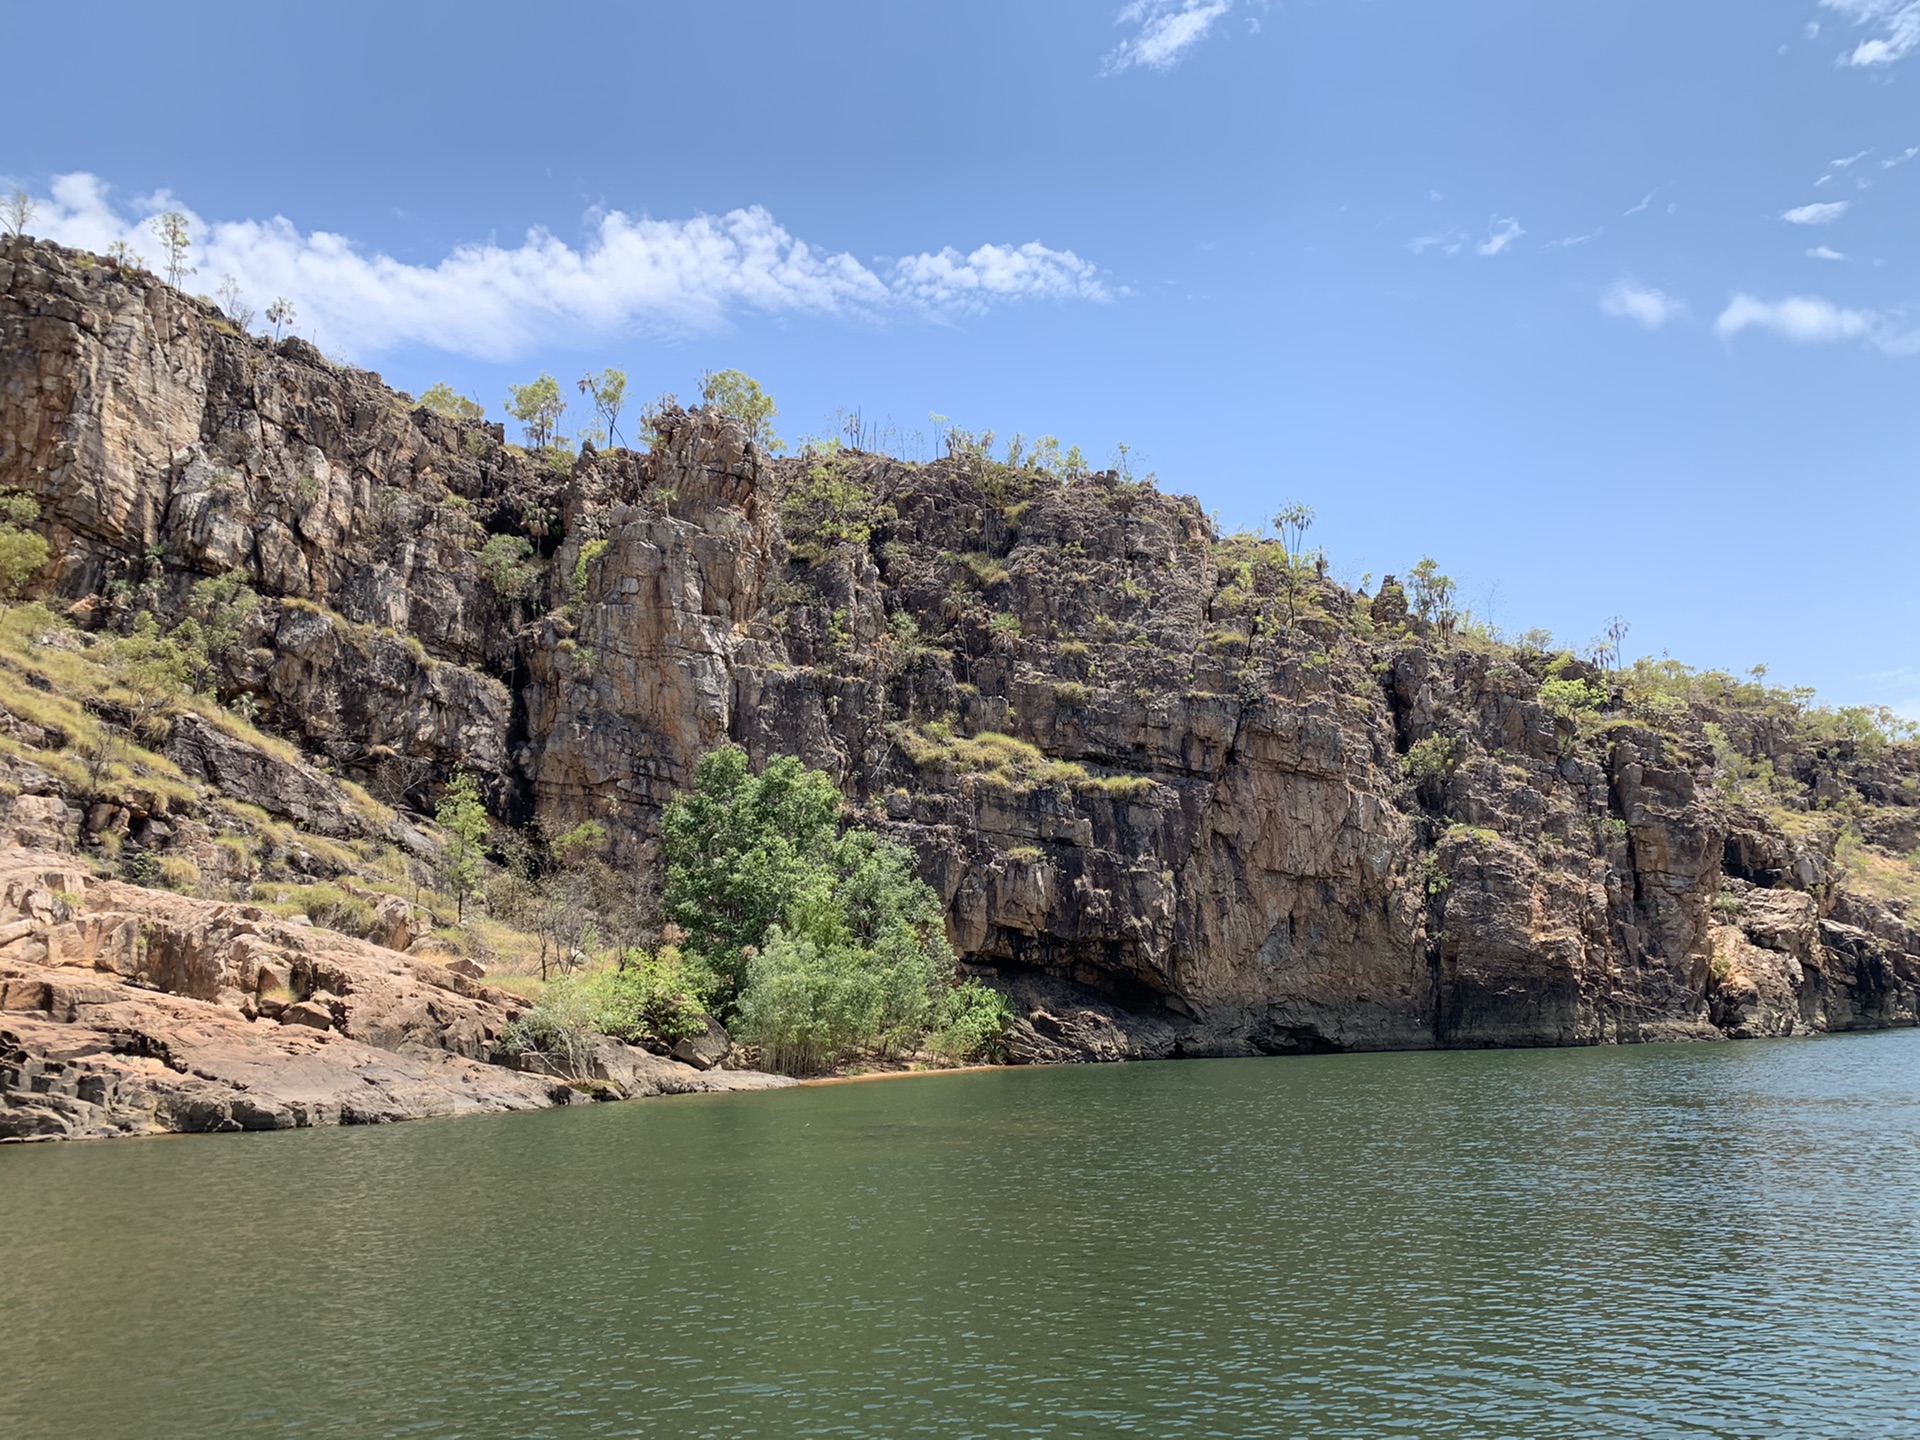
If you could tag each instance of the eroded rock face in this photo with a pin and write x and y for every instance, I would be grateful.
(126, 1011)
(1173, 809)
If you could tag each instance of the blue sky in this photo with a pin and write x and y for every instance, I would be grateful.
(1611, 306)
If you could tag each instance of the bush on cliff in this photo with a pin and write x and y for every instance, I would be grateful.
(819, 943)
(22, 552)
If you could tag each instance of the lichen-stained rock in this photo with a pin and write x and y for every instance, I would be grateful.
(1180, 791)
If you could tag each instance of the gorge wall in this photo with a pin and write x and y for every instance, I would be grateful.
(1160, 778)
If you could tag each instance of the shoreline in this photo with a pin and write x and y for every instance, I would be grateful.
(903, 1074)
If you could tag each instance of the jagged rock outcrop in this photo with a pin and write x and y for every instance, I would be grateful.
(1179, 797)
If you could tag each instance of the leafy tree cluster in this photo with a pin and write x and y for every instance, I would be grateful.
(740, 396)
(817, 942)
(23, 553)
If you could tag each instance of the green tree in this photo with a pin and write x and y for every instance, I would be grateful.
(740, 396)
(538, 407)
(818, 942)
(170, 227)
(280, 315)
(738, 849)
(1433, 594)
(462, 853)
(23, 554)
(608, 391)
(443, 399)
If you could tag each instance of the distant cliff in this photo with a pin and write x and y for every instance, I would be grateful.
(1182, 795)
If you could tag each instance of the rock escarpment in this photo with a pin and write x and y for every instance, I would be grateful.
(1179, 796)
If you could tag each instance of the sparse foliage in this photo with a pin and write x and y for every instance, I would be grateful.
(16, 212)
(280, 315)
(1434, 595)
(176, 239)
(462, 856)
(233, 302)
(538, 407)
(442, 399)
(608, 392)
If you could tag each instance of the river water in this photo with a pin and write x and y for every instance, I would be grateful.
(1715, 1240)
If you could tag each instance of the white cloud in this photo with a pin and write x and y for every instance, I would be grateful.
(1898, 22)
(1628, 299)
(1644, 203)
(1447, 242)
(1900, 159)
(1573, 242)
(1817, 214)
(1167, 30)
(1824, 252)
(1500, 234)
(1806, 320)
(1851, 160)
(664, 277)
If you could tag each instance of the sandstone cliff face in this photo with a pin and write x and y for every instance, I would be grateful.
(1162, 787)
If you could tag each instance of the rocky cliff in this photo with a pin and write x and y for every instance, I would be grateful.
(1182, 795)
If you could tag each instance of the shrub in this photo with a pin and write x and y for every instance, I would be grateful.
(1430, 760)
(826, 511)
(973, 1023)
(1072, 695)
(648, 997)
(442, 399)
(590, 553)
(23, 554)
(505, 562)
(1569, 699)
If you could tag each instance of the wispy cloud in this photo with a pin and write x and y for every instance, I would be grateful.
(1501, 233)
(1817, 214)
(1447, 242)
(661, 277)
(1896, 21)
(1644, 203)
(1810, 320)
(1628, 299)
(1165, 31)
(1824, 252)
(1573, 242)
(1902, 158)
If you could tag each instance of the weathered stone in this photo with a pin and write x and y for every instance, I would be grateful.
(126, 1011)
(1209, 844)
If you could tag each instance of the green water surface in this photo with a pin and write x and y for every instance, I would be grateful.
(1669, 1241)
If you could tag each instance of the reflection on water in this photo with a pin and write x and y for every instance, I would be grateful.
(1699, 1241)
